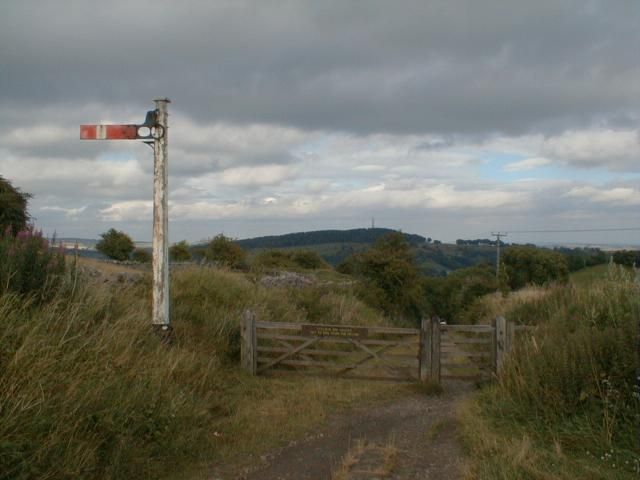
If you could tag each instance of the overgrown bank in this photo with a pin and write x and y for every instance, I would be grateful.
(86, 391)
(567, 404)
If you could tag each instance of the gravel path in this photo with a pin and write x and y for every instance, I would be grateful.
(420, 429)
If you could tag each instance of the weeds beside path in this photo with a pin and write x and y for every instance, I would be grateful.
(410, 437)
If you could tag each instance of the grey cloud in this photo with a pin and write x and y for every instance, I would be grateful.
(409, 66)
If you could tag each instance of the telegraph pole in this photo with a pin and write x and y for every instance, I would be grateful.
(160, 310)
(498, 235)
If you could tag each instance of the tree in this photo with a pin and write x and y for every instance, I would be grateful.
(450, 296)
(390, 279)
(13, 208)
(141, 255)
(225, 252)
(115, 244)
(537, 266)
(179, 252)
(627, 257)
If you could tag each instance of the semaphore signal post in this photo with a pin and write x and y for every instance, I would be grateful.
(153, 132)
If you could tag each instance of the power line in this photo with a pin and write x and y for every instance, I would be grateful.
(628, 229)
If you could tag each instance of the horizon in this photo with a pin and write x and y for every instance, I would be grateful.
(602, 246)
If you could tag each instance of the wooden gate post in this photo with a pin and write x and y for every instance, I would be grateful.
(425, 350)
(511, 336)
(249, 343)
(435, 349)
(500, 342)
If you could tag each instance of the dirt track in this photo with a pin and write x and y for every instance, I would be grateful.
(420, 428)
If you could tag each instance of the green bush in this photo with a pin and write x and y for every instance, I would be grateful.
(179, 252)
(13, 208)
(28, 266)
(390, 279)
(288, 260)
(140, 255)
(627, 257)
(115, 244)
(273, 260)
(308, 259)
(536, 266)
(451, 297)
(226, 253)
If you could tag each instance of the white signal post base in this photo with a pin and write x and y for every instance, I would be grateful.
(160, 310)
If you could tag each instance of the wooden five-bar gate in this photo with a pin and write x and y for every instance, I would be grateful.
(434, 351)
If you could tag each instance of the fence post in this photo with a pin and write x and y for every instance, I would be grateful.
(500, 342)
(435, 349)
(511, 335)
(425, 350)
(248, 346)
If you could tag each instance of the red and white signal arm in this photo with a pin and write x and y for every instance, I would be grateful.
(109, 132)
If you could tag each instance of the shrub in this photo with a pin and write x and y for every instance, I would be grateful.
(390, 278)
(27, 265)
(273, 260)
(627, 257)
(13, 208)
(115, 244)
(288, 260)
(141, 255)
(225, 252)
(308, 259)
(537, 266)
(179, 252)
(451, 296)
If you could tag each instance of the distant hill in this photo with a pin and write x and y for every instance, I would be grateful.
(434, 258)
(321, 237)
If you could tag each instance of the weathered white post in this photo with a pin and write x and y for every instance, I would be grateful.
(160, 310)
(154, 131)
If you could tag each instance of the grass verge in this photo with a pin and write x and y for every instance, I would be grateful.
(566, 404)
(87, 391)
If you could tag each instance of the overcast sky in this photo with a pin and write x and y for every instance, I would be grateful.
(447, 118)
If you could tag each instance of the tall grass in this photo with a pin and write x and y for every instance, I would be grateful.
(568, 391)
(87, 391)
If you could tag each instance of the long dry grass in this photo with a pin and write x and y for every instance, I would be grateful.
(88, 391)
(566, 404)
